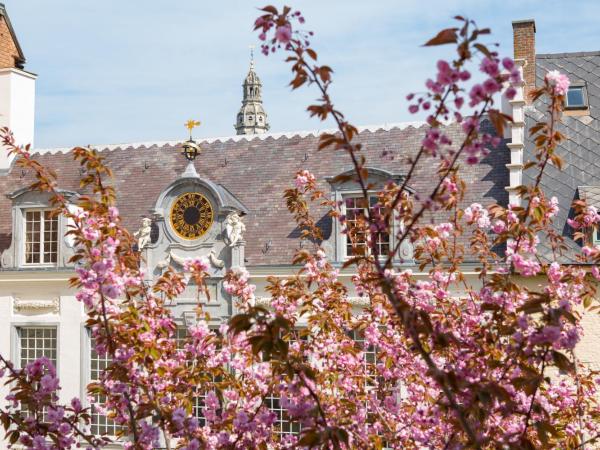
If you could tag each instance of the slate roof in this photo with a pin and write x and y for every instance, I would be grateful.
(591, 194)
(256, 169)
(581, 151)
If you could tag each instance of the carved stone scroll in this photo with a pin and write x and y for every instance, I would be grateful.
(36, 305)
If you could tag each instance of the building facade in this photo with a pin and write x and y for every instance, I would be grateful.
(226, 205)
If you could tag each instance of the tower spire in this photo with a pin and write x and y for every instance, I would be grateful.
(252, 118)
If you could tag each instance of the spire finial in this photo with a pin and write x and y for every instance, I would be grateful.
(251, 118)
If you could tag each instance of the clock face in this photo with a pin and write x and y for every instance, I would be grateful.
(191, 215)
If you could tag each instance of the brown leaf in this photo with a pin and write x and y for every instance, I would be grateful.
(562, 362)
(483, 49)
(499, 120)
(270, 9)
(447, 36)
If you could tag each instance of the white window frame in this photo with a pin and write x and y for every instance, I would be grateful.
(42, 242)
(284, 425)
(17, 347)
(344, 236)
(87, 375)
(198, 404)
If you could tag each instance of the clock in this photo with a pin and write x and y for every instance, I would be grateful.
(191, 215)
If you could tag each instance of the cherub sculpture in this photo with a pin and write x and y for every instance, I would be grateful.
(234, 229)
(143, 234)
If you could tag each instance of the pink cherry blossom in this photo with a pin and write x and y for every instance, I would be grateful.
(559, 81)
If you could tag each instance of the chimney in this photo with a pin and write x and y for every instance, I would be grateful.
(524, 45)
(17, 90)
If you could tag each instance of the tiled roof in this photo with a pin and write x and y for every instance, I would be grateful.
(256, 170)
(236, 138)
(581, 151)
(591, 194)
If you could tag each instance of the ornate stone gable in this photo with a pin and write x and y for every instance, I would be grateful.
(194, 217)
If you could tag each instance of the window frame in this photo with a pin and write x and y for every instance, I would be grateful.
(199, 398)
(344, 236)
(23, 250)
(584, 94)
(25, 199)
(347, 186)
(16, 347)
(17, 340)
(87, 379)
(595, 236)
(284, 425)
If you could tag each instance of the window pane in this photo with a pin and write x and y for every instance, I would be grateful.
(41, 237)
(35, 342)
(101, 424)
(356, 241)
(283, 425)
(575, 96)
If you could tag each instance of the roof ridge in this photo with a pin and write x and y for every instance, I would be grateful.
(567, 54)
(236, 138)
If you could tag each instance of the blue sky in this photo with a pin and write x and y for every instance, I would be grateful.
(116, 71)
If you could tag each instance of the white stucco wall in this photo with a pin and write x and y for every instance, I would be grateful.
(43, 287)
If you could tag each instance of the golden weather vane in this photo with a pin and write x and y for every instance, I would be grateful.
(190, 148)
(191, 124)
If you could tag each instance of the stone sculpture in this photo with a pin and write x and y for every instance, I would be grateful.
(143, 234)
(234, 229)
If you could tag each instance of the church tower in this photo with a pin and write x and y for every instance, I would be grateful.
(252, 118)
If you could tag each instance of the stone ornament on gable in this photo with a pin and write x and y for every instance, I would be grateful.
(29, 305)
(143, 234)
(172, 257)
(6, 260)
(234, 229)
(354, 301)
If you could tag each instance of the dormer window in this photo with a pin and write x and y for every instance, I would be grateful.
(347, 243)
(41, 237)
(38, 234)
(576, 97)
